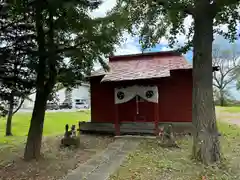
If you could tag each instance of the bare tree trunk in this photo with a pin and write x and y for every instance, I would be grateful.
(34, 140)
(222, 102)
(9, 117)
(222, 99)
(44, 87)
(206, 146)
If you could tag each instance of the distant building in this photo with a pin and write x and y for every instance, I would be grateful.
(76, 95)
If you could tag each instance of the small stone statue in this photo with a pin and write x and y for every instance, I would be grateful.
(161, 133)
(70, 138)
(166, 137)
(73, 131)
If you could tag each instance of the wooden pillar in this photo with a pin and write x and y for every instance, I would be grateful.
(117, 125)
(156, 113)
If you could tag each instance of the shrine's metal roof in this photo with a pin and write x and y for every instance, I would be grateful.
(142, 66)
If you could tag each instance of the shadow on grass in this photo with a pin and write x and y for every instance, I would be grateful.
(55, 163)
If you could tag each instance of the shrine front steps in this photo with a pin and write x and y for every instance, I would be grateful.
(133, 127)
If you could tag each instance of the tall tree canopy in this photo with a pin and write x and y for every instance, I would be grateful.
(153, 20)
(17, 74)
(66, 43)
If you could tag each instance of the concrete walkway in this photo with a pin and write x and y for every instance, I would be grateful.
(102, 165)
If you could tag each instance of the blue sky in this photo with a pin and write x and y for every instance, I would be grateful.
(162, 47)
(224, 44)
(131, 45)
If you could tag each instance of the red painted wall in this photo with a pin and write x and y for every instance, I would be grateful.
(175, 97)
(102, 101)
(175, 100)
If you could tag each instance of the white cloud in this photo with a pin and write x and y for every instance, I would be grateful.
(166, 48)
(129, 46)
(103, 8)
(181, 38)
(107, 5)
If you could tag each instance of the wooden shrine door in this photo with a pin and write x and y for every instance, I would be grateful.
(136, 110)
(144, 110)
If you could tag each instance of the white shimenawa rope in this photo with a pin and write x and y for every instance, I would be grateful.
(125, 94)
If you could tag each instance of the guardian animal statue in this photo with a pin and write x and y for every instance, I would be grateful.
(166, 137)
(70, 137)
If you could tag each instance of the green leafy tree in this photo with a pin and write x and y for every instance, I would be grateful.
(53, 96)
(68, 42)
(15, 87)
(16, 71)
(16, 84)
(153, 20)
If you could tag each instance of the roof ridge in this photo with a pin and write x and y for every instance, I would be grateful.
(160, 53)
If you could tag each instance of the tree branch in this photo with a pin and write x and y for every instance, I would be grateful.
(173, 5)
(228, 71)
(219, 4)
(222, 3)
(74, 47)
(218, 85)
(20, 105)
(228, 82)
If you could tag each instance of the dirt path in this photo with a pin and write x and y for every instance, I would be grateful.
(232, 118)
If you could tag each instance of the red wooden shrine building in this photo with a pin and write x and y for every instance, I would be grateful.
(140, 92)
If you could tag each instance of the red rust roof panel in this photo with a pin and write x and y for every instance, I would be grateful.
(143, 67)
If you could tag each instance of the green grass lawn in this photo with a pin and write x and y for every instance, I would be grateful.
(54, 124)
(149, 162)
(55, 162)
(152, 162)
(230, 109)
